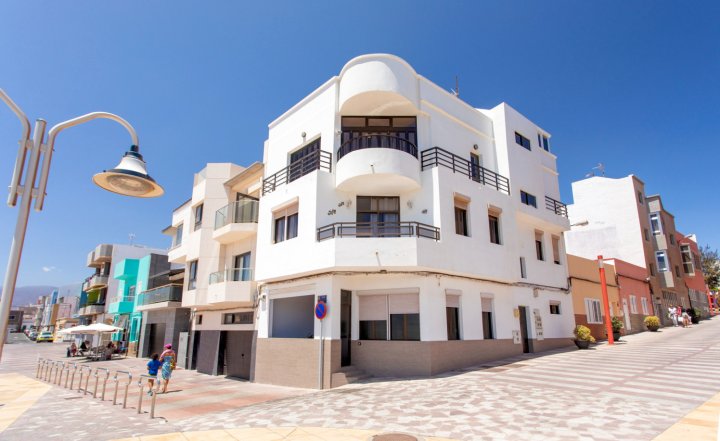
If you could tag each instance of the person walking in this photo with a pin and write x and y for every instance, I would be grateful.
(673, 314)
(152, 366)
(168, 358)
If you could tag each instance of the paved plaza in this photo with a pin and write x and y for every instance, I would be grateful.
(645, 385)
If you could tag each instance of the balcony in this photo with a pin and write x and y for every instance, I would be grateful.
(556, 207)
(318, 160)
(101, 254)
(236, 221)
(122, 305)
(97, 281)
(166, 296)
(232, 287)
(437, 157)
(379, 164)
(92, 309)
(378, 229)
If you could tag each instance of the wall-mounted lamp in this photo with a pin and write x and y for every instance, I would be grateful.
(475, 146)
(303, 134)
(424, 211)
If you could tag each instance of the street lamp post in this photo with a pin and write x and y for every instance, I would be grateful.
(128, 178)
(606, 301)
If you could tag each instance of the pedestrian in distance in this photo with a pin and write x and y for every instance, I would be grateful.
(152, 366)
(685, 319)
(168, 358)
(73, 349)
(673, 315)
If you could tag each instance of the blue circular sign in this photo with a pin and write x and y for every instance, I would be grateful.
(320, 310)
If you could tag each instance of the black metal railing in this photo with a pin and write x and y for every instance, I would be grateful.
(318, 160)
(378, 229)
(436, 157)
(166, 293)
(556, 206)
(378, 141)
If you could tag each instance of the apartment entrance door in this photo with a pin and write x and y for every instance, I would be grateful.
(626, 315)
(235, 353)
(524, 331)
(156, 338)
(345, 326)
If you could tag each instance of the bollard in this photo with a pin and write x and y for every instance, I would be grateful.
(39, 363)
(107, 375)
(68, 377)
(48, 370)
(59, 367)
(152, 403)
(117, 386)
(87, 378)
(97, 379)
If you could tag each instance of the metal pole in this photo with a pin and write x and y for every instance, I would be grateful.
(58, 371)
(20, 228)
(606, 301)
(320, 361)
(39, 364)
(72, 378)
(127, 386)
(107, 375)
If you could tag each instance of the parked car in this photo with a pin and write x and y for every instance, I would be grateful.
(32, 335)
(44, 336)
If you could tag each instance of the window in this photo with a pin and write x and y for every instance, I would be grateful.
(488, 319)
(298, 166)
(677, 271)
(662, 263)
(539, 251)
(238, 318)
(475, 164)
(672, 239)
(198, 216)
(292, 317)
(555, 308)
(378, 216)
(644, 304)
(192, 274)
(370, 131)
(198, 319)
(687, 260)
(177, 240)
(461, 221)
(633, 304)
(241, 271)
(655, 223)
(544, 142)
(528, 199)
(523, 141)
(452, 316)
(640, 197)
(651, 267)
(285, 223)
(400, 311)
(556, 249)
(646, 234)
(523, 270)
(494, 223)
(593, 311)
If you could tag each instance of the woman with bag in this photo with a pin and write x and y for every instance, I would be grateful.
(168, 358)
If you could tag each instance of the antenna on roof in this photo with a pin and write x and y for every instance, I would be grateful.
(456, 90)
(600, 168)
(132, 238)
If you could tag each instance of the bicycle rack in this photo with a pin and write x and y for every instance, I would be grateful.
(87, 380)
(117, 385)
(154, 395)
(68, 376)
(40, 362)
(107, 375)
(59, 368)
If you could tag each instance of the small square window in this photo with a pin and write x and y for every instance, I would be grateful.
(554, 308)
(521, 140)
(528, 199)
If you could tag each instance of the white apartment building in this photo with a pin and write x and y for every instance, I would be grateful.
(214, 235)
(614, 218)
(432, 229)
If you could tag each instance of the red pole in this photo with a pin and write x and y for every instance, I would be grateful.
(606, 301)
(710, 303)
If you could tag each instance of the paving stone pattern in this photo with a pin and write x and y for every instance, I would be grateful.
(632, 391)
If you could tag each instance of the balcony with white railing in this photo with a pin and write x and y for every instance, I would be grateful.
(236, 221)
(232, 287)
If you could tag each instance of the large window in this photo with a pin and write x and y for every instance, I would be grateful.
(644, 304)
(378, 216)
(687, 259)
(177, 240)
(398, 132)
(400, 311)
(297, 169)
(494, 224)
(539, 249)
(655, 223)
(662, 263)
(198, 211)
(285, 223)
(528, 199)
(593, 311)
(192, 274)
(292, 317)
(523, 141)
(461, 217)
(633, 305)
(241, 272)
(452, 316)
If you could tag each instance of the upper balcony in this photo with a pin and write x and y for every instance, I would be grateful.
(438, 157)
(556, 207)
(121, 305)
(318, 160)
(92, 309)
(236, 221)
(101, 254)
(232, 287)
(166, 296)
(97, 281)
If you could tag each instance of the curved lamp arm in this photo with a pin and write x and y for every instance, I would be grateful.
(45, 170)
(22, 151)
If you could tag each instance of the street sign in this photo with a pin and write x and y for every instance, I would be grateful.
(320, 309)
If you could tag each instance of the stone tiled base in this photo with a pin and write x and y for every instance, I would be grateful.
(702, 424)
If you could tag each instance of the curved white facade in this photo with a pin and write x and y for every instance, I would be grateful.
(378, 171)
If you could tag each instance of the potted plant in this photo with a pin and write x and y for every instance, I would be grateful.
(617, 325)
(695, 315)
(652, 322)
(583, 338)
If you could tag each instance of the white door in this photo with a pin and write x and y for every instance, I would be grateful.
(627, 316)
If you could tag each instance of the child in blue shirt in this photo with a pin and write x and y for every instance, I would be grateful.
(152, 366)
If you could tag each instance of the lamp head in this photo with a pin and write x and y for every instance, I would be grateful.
(129, 177)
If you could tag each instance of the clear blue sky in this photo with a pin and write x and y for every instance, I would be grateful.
(631, 84)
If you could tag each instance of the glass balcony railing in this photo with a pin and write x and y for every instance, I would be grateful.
(232, 275)
(165, 293)
(239, 212)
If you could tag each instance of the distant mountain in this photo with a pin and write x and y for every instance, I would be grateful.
(25, 295)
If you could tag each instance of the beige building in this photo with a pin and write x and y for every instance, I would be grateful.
(586, 291)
